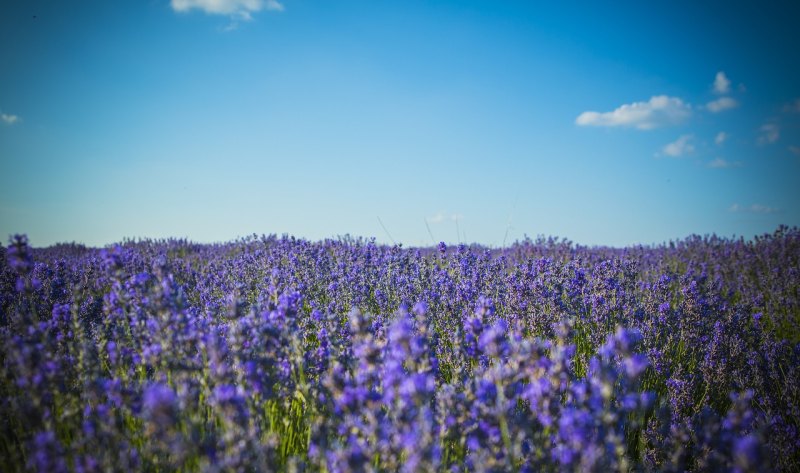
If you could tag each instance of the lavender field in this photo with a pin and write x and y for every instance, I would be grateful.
(279, 354)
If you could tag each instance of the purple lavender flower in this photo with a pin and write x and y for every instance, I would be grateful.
(635, 365)
(47, 454)
(160, 404)
(19, 255)
(494, 340)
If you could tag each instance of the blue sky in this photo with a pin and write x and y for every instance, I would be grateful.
(479, 121)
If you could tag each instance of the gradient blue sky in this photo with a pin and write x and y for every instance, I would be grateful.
(212, 119)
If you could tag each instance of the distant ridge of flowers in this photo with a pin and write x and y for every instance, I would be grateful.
(542, 241)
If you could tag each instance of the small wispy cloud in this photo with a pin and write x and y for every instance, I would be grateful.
(235, 22)
(792, 107)
(753, 208)
(722, 85)
(720, 138)
(660, 110)
(438, 218)
(769, 133)
(795, 150)
(720, 163)
(8, 119)
(679, 147)
(443, 217)
(721, 104)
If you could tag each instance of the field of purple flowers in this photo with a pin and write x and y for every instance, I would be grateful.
(280, 354)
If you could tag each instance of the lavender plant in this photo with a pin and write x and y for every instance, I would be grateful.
(278, 354)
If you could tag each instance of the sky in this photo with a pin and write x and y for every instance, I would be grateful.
(409, 121)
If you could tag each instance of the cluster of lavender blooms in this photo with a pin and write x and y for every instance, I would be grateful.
(278, 354)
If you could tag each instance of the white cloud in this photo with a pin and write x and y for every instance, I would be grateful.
(754, 208)
(722, 85)
(795, 150)
(720, 138)
(722, 103)
(679, 147)
(720, 163)
(770, 133)
(9, 119)
(660, 110)
(240, 10)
